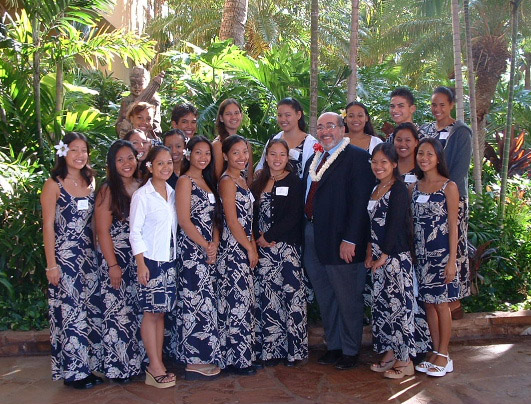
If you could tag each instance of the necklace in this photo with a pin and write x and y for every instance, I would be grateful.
(275, 178)
(382, 187)
(317, 176)
(74, 181)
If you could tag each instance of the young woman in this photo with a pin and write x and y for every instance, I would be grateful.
(153, 236)
(280, 283)
(141, 115)
(359, 127)
(176, 142)
(389, 258)
(184, 118)
(290, 118)
(237, 257)
(67, 201)
(435, 201)
(142, 145)
(199, 213)
(456, 138)
(406, 139)
(228, 121)
(123, 351)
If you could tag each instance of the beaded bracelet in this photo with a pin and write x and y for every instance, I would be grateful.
(51, 268)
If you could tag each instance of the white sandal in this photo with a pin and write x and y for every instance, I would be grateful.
(440, 371)
(424, 366)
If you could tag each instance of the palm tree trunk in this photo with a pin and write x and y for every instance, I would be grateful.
(353, 59)
(59, 78)
(527, 71)
(37, 81)
(233, 21)
(478, 157)
(508, 129)
(314, 69)
(456, 33)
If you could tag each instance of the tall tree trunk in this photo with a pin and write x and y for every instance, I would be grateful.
(37, 81)
(508, 128)
(456, 33)
(233, 21)
(478, 157)
(353, 59)
(314, 69)
(59, 78)
(527, 71)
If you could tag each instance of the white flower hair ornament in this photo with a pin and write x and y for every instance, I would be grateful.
(148, 164)
(187, 153)
(62, 149)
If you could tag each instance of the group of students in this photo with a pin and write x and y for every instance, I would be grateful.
(197, 257)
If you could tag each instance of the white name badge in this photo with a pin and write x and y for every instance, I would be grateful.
(443, 135)
(82, 204)
(423, 198)
(282, 191)
(371, 204)
(410, 178)
(211, 198)
(252, 197)
(294, 154)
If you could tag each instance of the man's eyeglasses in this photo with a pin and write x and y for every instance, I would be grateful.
(328, 126)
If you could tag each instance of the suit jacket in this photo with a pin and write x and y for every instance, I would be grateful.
(340, 205)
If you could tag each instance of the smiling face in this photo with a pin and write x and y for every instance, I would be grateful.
(441, 107)
(77, 156)
(125, 162)
(187, 123)
(161, 166)
(405, 143)
(427, 158)
(288, 118)
(329, 131)
(400, 109)
(238, 156)
(142, 120)
(277, 157)
(356, 119)
(141, 144)
(232, 118)
(382, 167)
(200, 156)
(176, 145)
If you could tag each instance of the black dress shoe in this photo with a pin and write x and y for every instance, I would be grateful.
(272, 362)
(258, 364)
(95, 380)
(121, 380)
(248, 371)
(330, 357)
(347, 362)
(82, 384)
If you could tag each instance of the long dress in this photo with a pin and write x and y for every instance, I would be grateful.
(235, 294)
(123, 350)
(75, 316)
(197, 320)
(393, 299)
(432, 246)
(280, 288)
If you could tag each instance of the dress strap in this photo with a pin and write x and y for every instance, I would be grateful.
(445, 184)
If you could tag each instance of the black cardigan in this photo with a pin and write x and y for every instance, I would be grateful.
(286, 211)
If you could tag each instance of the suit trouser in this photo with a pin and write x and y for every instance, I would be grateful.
(339, 293)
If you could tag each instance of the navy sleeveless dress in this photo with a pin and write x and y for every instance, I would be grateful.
(235, 293)
(75, 316)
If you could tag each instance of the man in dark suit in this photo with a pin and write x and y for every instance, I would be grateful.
(338, 182)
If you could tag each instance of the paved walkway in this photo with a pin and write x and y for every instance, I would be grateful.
(497, 372)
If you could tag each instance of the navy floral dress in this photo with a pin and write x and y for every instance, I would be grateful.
(432, 246)
(235, 292)
(75, 316)
(123, 350)
(197, 320)
(280, 288)
(296, 163)
(393, 299)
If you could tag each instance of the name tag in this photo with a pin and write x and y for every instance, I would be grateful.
(282, 191)
(294, 154)
(371, 205)
(82, 204)
(252, 197)
(443, 135)
(211, 198)
(423, 198)
(410, 178)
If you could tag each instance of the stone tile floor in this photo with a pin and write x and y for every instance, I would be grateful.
(497, 371)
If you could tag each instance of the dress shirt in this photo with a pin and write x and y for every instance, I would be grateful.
(153, 223)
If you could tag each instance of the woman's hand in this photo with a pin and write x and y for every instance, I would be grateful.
(262, 242)
(212, 252)
(143, 274)
(252, 254)
(368, 257)
(450, 270)
(115, 273)
(54, 275)
(379, 262)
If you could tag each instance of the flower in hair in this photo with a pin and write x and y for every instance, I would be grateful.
(148, 164)
(187, 153)
(318, 147)
(62, 149)
(343, 113)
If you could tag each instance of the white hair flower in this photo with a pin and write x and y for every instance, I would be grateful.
(187, 153)
(62, 149)
(148, 164)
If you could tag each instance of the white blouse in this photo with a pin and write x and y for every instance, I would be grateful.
(153, 223)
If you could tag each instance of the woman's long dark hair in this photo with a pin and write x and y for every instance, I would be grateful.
(220, 126)
(406, 126)
(264, 175)
(368, 128)
(60, 170)
(389, 151)
(152, 155)
(120, 200)
(296, 105)
(227, 145)
(209, 175)
(442, 168)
